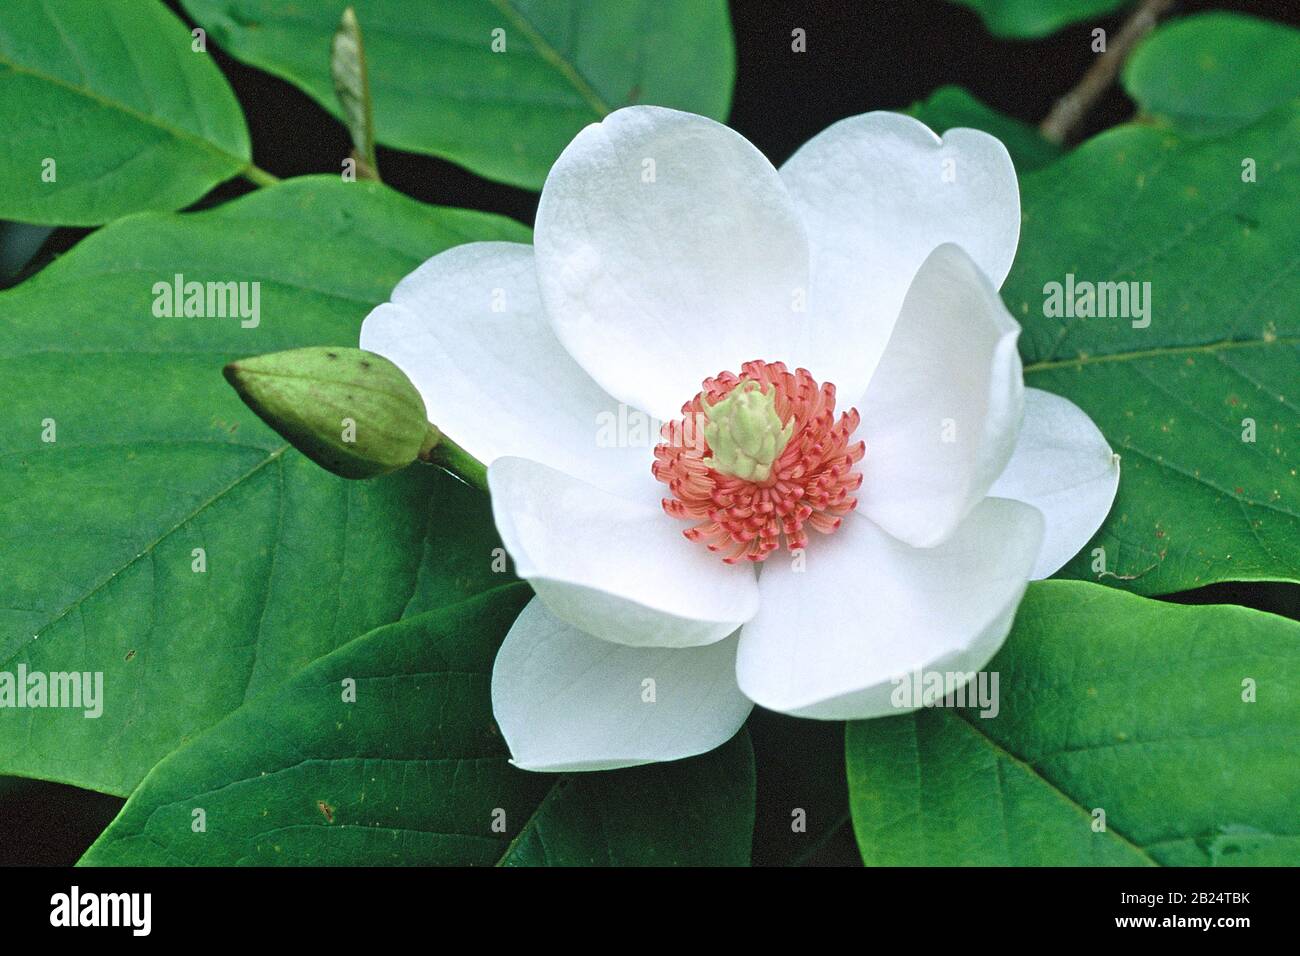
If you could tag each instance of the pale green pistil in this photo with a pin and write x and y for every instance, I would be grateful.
(745, 433)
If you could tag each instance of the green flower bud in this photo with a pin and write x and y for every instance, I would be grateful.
(352, 87)
(352, 412)
(745, 433)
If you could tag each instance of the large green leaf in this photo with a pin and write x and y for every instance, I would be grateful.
(1021, 19)
(1214, 72)
(1196, 503)
(155, 457)
(951, 106)
(439, 87)
(696, 812)
(111, 93)
(413, 771)
(1108, 702)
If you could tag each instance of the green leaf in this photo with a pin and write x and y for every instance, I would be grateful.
(414, 772)
(1197, 503)
(155, 456)
(1108, 702)
(1028, 19)
(439, 88)
(696, 812)
(1214, 72)
(952, 106)
(109, 111)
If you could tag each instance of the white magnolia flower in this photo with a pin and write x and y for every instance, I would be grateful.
(676, 273)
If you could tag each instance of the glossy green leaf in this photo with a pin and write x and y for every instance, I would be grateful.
(1201, 403)
(951, 106)
(1214, 72)
(498, 86)
(165, 536)
(1129, 733)
(413, 771)
(108, 110)
(696, 812)
(1021, 19)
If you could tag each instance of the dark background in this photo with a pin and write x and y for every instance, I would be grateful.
(861, 55)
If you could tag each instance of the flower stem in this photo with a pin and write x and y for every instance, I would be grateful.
(1069, 112)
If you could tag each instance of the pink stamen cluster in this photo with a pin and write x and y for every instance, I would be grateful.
(811, 483)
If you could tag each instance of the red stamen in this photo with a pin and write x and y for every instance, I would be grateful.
(811, 481)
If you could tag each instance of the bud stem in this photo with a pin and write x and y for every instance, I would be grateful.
(441, 451)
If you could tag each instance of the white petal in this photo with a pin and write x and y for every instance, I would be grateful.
(468, 328)
(877, 193)
(668, 251)
(1063, 467)
(567, 701)
(618, 569)
(941, 414)
(829, 641)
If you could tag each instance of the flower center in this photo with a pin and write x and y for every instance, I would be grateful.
(744, 431)
(757, 457)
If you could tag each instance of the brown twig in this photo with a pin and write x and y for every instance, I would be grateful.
(1069, 111)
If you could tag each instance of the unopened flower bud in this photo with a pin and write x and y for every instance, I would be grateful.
(352, 412)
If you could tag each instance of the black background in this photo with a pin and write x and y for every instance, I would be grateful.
(861, 55)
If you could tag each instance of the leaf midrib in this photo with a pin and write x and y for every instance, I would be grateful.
(551, 795)
(176, 132)
(1002, 752)
(148, 550)
(1160, 352)
(555, 59)
(1211, 348)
